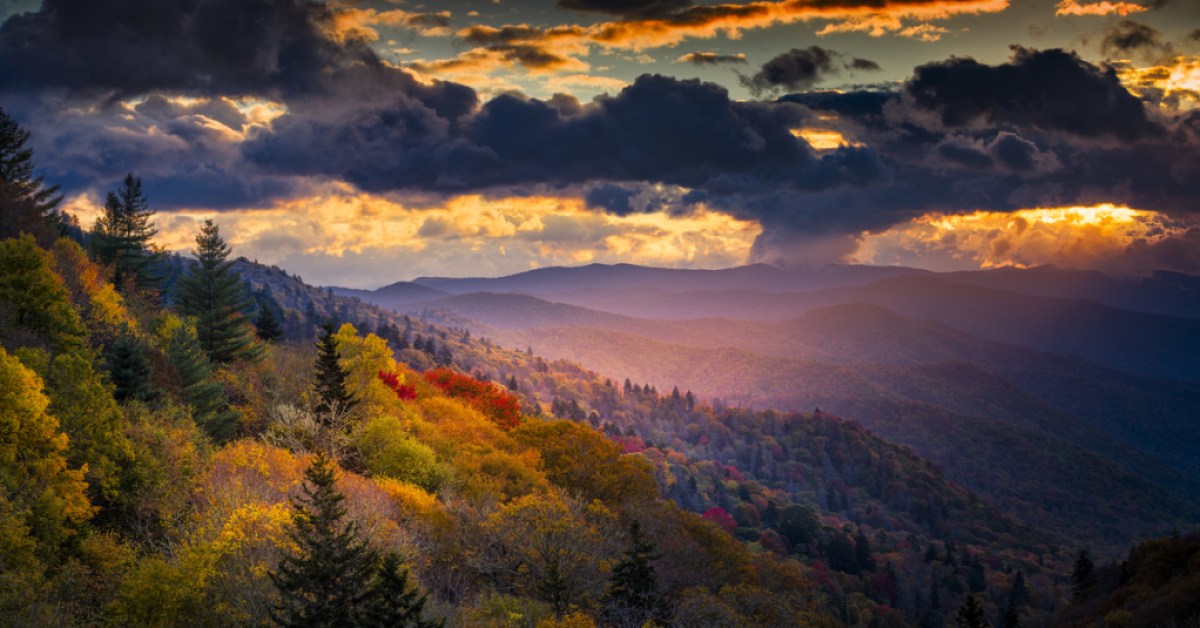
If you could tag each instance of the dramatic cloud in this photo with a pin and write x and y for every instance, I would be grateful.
(1174, 84)
(263, 112)
(646, 133)
(1128, 37)
(647, 24)
(128, 47)
(1051, 90)
(628, 8)
(340, 236)
(801, 68)
(1073, 7)
(710, 58)
(354, 23)
(1115, 239)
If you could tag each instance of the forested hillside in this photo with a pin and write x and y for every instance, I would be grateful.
(210, 441)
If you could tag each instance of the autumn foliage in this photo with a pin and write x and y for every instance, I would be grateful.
(502, 407)
(405, 392)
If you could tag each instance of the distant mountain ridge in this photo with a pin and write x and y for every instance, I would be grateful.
(560, 279)
(1162, 292)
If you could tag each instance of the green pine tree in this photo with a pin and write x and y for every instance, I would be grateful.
(214, 295)
(210, 407)
(633, 595)
(1012, 617)
(970, 614)
(27, 205)
(129, 370)
(266, 326)
(1018, 597)
(327, 580)
(332, 396)
(393, 602)
(121, 237)
(1083, 577)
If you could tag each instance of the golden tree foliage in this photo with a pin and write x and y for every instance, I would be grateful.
(90, 417)
(555, 548)
(577, 457)
(39, 490)
(365, 358)
(101, 306)
(35, 307)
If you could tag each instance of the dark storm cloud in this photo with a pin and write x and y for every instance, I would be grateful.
(100, 53)
(801, 68)
(1050, 90)
(1129, 37)
(201, 46)
(613, 199)
(628, 8)
(863, 64)
(647, 133)
(1045, 128)
(711, 58)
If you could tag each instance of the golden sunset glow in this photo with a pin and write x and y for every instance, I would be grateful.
(1073, 7)
(516, 233)
(1175, 85)
(1064, 236)
(823, 139)
(562, 48)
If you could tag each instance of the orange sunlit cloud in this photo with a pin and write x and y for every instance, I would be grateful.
(823, 139)
(1175, 84)
(559, 48)
(328, 231)
(349, 22)
(1073, 7)
(1077, 237)
(706, 22)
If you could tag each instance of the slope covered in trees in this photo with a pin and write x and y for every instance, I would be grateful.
(163, 462)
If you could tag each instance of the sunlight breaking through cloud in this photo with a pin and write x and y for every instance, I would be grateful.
(1100, 236)
(329, 236)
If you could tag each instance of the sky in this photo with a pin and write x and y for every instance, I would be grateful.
(362, 143)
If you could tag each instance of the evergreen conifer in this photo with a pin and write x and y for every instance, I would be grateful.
(332, 396)
(129, 370)
(1083, 577)
(326, 581)
(213, 294)
(121, 237)
(633, 596)
(210, 407)
(266, 326)
(393, 601)
(970, 614)
(27, 205)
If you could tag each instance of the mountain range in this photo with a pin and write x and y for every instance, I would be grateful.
(1003, 378)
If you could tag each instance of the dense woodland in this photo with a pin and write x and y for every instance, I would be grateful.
(208, 441)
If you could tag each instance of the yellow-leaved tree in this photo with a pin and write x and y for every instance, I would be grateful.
(42, 500)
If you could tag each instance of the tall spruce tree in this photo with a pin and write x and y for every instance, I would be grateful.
(332, 396)
(129, 370)
(633, 594)
(121, 237)
(213, 294)
(210, 407)
(1083, 577)
(266, 326)
(27, 204)
(327, 580)
(971, 615)
(393, 601)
